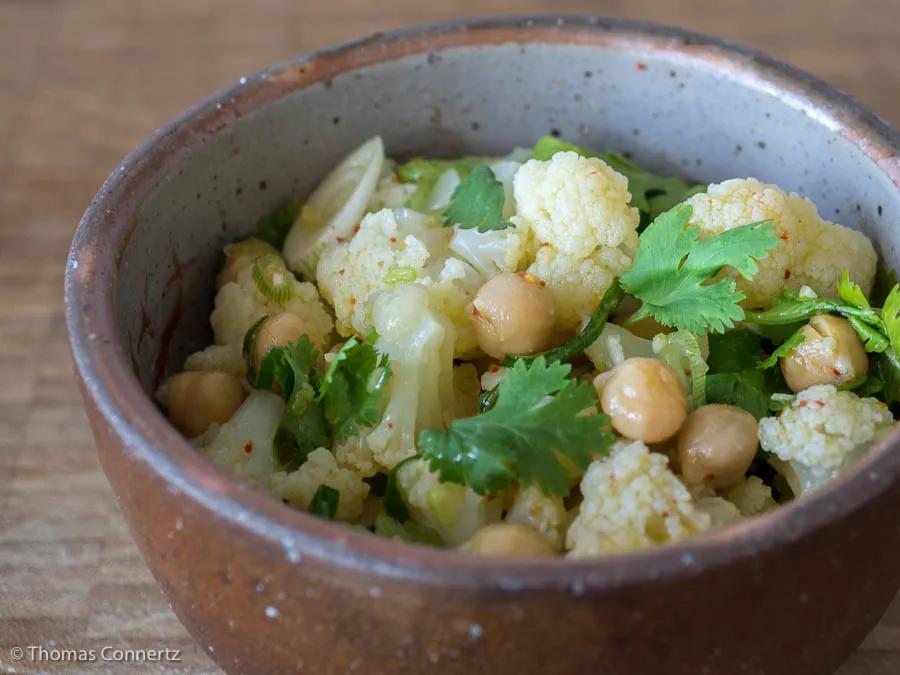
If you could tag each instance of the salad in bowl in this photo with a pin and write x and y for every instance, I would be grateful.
(555, 352)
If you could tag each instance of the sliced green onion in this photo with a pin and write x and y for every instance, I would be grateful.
(398, 274)
(273, 279)
(681, 351)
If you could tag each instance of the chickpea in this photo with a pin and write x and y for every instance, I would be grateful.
(508, 539)
(513, 314)
(644, 399)
(280, 330)
(831, 353)
(196, 399)
(716, 445)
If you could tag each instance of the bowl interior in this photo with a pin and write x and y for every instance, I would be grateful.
(674, 108)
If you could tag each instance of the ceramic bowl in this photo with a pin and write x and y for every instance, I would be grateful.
(265, 588)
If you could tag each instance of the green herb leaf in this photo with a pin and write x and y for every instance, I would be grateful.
(651, 194)
(478, 202)
(425, 173)
(731, 352)
(745, 389)
(782, 350)
(352, 388)
(325, 502)
(672, 270)
(886, 366)
(274, 227)
(536, 433)
(299, 435)
(586, 337)
(890, 315)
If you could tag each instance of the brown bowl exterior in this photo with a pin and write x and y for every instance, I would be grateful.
(268, 589)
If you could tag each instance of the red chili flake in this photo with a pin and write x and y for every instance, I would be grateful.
(787, 275)
(640, 66)
(494, 369)
(664, 514)
(802, 404)
(836, 372)
(339, 240)
(355, 228)
(783, 236)
(393, 240)
(390, 426)
(248, 447)
(541, 282)
(474, 310)
(352, 301)
(710, 477)
(546, 243)
(341, 271)
(821, 404)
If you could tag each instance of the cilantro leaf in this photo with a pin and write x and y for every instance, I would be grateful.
(890, 315)
(425, 173)
(298, 435)
(325, 502)
(745, 389)
(535, 434)
(575, 346)
(651, 194)
(478, 202)
(782, 350)
(352, 387)
(731, 352)
(274, 227)
(672, 270)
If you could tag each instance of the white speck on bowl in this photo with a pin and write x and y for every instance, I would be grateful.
(271, 612)
(475, 631)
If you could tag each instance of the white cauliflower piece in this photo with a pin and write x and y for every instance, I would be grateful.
(389, 193)
(751, 496)
(823, 432)
(454, 511)
(355, 454)
(219, 358)
(546, 515)
(721, 512)
(419, 343)
(632, 500)
(493, 252)
(583, 232)
(395, 247)
(239, 305)
(578, 283)
(812, 251)
(320, 468)
(576, 204)
(243, 445)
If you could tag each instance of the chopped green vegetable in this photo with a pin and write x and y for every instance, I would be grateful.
(731, 352)
(477, 202)
(651, 194)
(399, 274)
(586, 337)
(273, 279)
(536, 433)
(351, 390)
(745, 389)
(672, 271)
(681, 351)
(325, 502)
(782, 350)
(274, 227)
(425, 173)
(298, 435)
(408, 531)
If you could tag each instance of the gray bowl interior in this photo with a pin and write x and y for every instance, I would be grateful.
(670, 111)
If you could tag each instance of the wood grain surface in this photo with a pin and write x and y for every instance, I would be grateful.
(81, 83)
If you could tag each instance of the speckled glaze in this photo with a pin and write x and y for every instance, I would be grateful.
(268, 589)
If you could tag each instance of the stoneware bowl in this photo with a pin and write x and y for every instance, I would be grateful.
(265, 588)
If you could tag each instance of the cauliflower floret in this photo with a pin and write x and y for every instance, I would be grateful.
(219, 358)
(545, 514)
(239, 305)
(320, 468)
(721, 512)
(751, 496)
(419, 343)
(454, 511)
(578, 283)
(576, 203)
(583, 232)
(243, 445)
(812, 251)
(493, 252)
(355, 454)
(632, 500)
(396, 247)
(823, 432)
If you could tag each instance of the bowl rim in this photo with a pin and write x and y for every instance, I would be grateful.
(109, 384)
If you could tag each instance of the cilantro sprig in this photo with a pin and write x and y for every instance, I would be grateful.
(477, 202)
(320, 407)
(673, 270)
(537, 433)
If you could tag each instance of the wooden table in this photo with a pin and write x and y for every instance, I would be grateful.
(81, 83)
